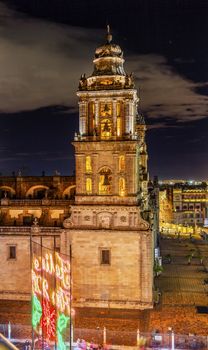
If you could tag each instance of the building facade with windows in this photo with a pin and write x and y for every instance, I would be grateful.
(106, 224)
(184, 203)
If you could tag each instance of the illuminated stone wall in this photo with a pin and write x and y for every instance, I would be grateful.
(112, 244)
(47, 215)
(15, 273)
(15, 269)
(124, 283)
(36, 187)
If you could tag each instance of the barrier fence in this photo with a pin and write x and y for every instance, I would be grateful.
(21, 335)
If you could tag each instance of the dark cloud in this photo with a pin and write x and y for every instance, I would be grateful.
(41, 63)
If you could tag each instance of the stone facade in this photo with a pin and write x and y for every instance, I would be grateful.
(125, 282)
(45, 197)
(112, 245)
(15, 258)
(104, 224)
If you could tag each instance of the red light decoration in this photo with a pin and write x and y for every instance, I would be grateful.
(48, 321)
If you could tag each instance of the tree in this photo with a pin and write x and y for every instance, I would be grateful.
(168, 258)
(189, 257)
(157, 268)
(201, 258)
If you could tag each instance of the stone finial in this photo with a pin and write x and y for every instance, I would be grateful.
(35, 228)
(109, 35)
(35, 222)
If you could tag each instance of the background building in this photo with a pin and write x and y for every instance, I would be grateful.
(184, 203)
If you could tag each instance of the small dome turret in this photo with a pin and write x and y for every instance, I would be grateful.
(108, 70)
(108, 58)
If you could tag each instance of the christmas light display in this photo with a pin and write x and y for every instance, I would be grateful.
(51, 297)
(36, 311)
(48, 321)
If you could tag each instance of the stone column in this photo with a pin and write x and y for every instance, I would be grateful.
(126, 117)
(140, 265)
(114, 116)
(83, 117)
(96, 114)
(131, 117)
(80, 170)
(130, 173)
(115, 175)
(94, 173)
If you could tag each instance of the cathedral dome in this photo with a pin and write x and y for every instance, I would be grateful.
(109, 50)
(108, 70)
(108, 58)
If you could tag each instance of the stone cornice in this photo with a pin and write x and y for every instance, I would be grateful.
(123, 93)
(113, 146)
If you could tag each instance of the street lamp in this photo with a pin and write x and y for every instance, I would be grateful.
(171, 338)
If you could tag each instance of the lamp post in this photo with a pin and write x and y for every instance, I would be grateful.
(171, 338)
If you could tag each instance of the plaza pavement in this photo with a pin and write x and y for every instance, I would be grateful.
(181, 286)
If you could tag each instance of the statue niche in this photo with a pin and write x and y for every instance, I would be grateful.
(104, 220)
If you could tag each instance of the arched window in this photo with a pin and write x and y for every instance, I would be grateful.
(105, 181)
(121, 163)
(122, 186)
(88, 164)
(89, 185)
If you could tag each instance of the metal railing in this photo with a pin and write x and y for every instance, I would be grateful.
(98, 337)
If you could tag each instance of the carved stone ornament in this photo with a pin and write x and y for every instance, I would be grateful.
(104, 220)
(123, 218)
(143, 225)
(35, 228)
(68, 223)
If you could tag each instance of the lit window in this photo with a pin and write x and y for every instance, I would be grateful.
(121, 163)
(88, 164)
(122, 186)
(89, 185)
(105, 257)
(118, 126)
(12, 252)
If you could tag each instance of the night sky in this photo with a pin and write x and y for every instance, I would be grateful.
(45, 45)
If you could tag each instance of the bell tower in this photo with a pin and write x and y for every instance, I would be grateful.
(111, 243)
(107, 145)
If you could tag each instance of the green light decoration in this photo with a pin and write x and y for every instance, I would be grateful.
(61, 325)
(62, 322)
(61, 344)
(36, 311)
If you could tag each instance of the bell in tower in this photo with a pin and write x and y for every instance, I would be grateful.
(106, 181)
(106, 127)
